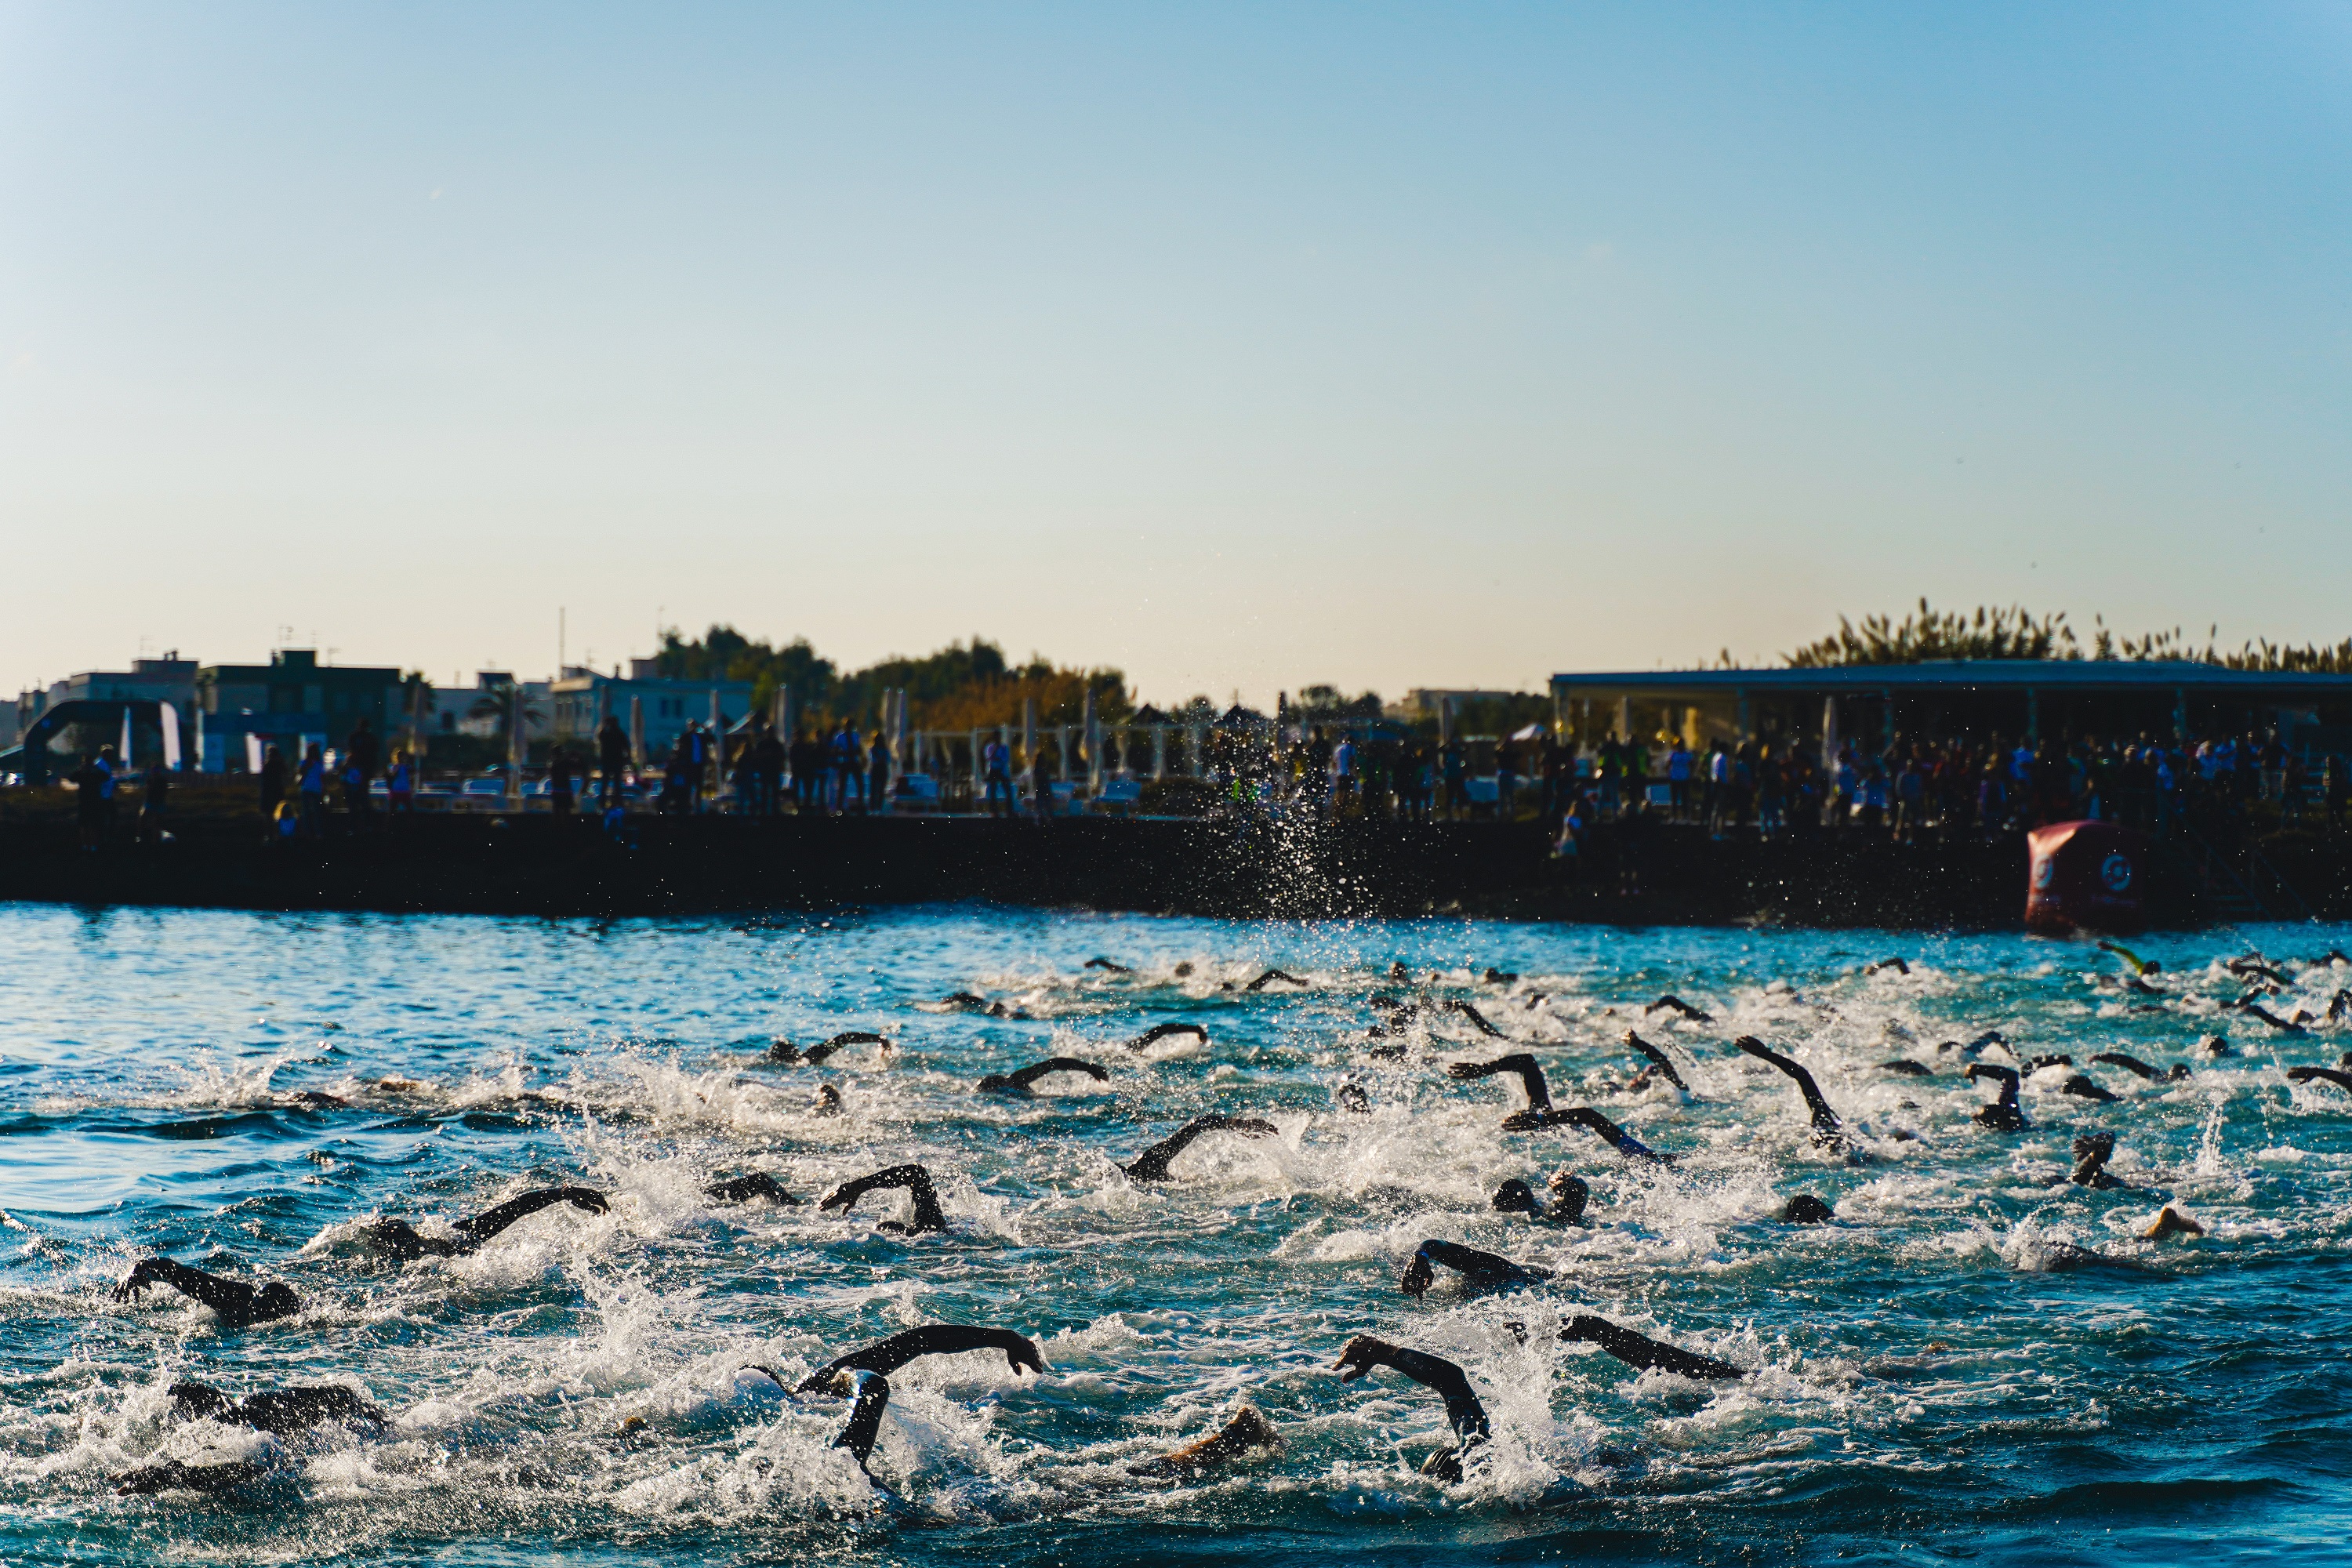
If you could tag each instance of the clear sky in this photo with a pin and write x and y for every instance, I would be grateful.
(1242, 347)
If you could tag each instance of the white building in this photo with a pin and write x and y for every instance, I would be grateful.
(582, 697)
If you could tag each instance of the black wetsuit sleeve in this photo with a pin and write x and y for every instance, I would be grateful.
(915, 1179)
(483, 1227)
(1584, 1116)
(864, 1427)
(1030, 1075)
(231, 1299)
(932, 1339)
(2335, 1076)
(1467, 1415)
(1824, 1118)
(1477, 1018)
(1152, 1165)
(2128, 1063)
(1521, 1064)
(1484, 1270)
(1659, 1059)
(742, 1189)
(1640, 1352)
(1161, 1031)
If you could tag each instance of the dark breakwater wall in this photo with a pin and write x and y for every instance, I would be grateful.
(543, 866)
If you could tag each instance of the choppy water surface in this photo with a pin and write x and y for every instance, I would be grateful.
(1925, 1383)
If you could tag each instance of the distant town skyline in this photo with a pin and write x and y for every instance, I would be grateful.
(1240, 347)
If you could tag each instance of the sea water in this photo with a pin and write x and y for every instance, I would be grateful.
(1967, 1361)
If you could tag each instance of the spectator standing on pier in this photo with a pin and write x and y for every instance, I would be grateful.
(155, 792)
(1344, 780)
(312, 780)
(878, 775)
(89, 782)
(769, 759)
(611, 762)
(1456, 763)
(362, 757)
(1507, 779)
(273, 787)
(560, 781)
(400, 784)
(996, 776)
(1720, 809)
(1678, 781)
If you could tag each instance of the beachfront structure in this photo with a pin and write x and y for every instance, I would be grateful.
(170, 678)
(481, 708)
(291, 702)
(1871, 704)
(581, 697)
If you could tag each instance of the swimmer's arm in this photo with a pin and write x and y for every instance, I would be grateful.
(229, 1298)
(888, 1355)
(1030, 1075)
(1463, 1409)
(1152, 1165)
(483, 1227)
(1643, 1352)
(1664, 1062)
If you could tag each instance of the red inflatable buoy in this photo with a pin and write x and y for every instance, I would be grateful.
(2086, 875)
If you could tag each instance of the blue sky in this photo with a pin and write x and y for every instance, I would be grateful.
(1242, 347)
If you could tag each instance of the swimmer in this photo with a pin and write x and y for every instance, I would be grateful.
(1907, 1067)
(2081, 1087)
(2002, 1115)
(2133, 1065)
(2255, 967)
(1247, 1433)
(743, 1189)
(828, 1101)
(1519, 1064)
(2255, 1010)
(1364, 1355)
(1108, 967)
(965, 1001)
(235, 1303)
(2334, 955)
(1018, 1083)
(1641, 1353)
(1273, 975)
(284, 1411)
(1975, 1046)
(2214, 1046)
(1584, 1116)
(2092, 1152)
(887, 1356)
(1679, 1005)
(1397, 971)
(1896, 964)
(398, 1239)
(1159, 1031)
(2170, 1221)
(173, 1475)
(2141, 967)
(1805, 1209)
(2335, 1076)
(784, 1050)
(1152, 1165)
(1480, 1272)
(1828, 1130)
(1499, 977)
(1476, 1017)
(929, 1216)
(1353, 1099)
(315, 1100)
(1570, 1193)
(1659, 1061)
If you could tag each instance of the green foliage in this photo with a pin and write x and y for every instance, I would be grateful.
(2016, 633)
(964, 685)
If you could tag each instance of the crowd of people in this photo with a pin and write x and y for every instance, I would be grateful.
(1908, 789)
